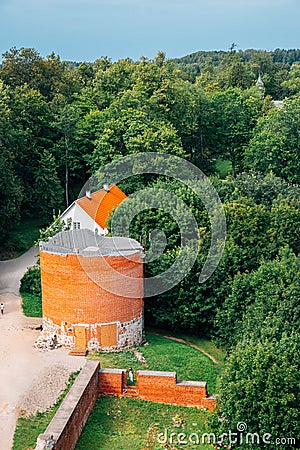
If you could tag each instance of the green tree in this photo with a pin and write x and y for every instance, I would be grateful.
(292, 84)
(247, 225)
(260, 387)
(11, 191)
(269, 293)
(47, 192)
(275, 143)
(235, 116)
(32, 133)
(49, 75)
(69, 159)
(11, 197)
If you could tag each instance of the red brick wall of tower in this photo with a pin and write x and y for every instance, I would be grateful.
(72, 292)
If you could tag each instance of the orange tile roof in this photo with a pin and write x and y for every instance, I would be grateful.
(101, 204)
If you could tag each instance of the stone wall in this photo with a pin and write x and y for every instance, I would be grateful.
(67, 424)
(128, 334)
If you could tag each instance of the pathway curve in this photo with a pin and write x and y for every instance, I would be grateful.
(190, 344)
(11, 271)
(29, 379)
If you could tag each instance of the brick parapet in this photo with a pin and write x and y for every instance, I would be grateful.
(159, 387)
(67, 424)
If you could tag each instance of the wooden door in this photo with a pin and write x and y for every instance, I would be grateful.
(80, 337)
(109, 335)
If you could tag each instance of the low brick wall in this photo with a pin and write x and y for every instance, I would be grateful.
(67, 424)
(163, 387)
(111, 381)
(160, 387)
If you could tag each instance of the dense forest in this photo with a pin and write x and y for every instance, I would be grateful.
(60, 122)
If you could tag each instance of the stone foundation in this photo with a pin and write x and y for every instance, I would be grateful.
(128, 334)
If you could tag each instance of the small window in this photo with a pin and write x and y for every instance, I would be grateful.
(76, 225)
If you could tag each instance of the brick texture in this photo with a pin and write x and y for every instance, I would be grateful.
(72, 295)
(159, 387)
(111, 381)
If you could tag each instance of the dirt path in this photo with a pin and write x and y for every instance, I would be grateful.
(30, 380)
(190, 344)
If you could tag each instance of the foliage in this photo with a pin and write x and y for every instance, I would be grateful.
(270, 291)
(11, 191)
(32, 305)
(60, 122)
(31, 292)
(55, 227)
(31, 281)
(259, 323)
(264, 189)
(275, 144)
(235, 115)
(47, 190)
(21, 238)
(260, 387)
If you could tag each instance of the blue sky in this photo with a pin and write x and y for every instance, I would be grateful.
(83, 30)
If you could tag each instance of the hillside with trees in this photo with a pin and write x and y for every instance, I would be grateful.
(60, 122)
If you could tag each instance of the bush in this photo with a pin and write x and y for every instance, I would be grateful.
(32, 305)
(31, 281)
(31, 292)
(16, 243)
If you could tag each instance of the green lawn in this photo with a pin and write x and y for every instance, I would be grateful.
(29, 428)
(129, 424)
(21, 238)
(166, 355)
(207, 346)
(31, 305)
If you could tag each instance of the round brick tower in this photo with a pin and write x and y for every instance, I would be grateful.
(92, 290)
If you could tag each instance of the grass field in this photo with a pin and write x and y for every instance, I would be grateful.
(166, 355)
(29, 428)
(31, 305)
(206, 345)
(21, 238)
(127, 424)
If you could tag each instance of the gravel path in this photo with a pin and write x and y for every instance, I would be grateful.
(30, 380)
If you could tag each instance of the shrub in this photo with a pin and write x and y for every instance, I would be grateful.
(31, 281)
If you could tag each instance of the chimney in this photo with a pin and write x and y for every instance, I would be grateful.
(88, 195)
(105, 187)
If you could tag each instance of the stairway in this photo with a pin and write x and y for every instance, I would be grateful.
(78, 352)
(130, 391)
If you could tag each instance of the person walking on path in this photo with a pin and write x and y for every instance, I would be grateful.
(2, 308)
(131, 375)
